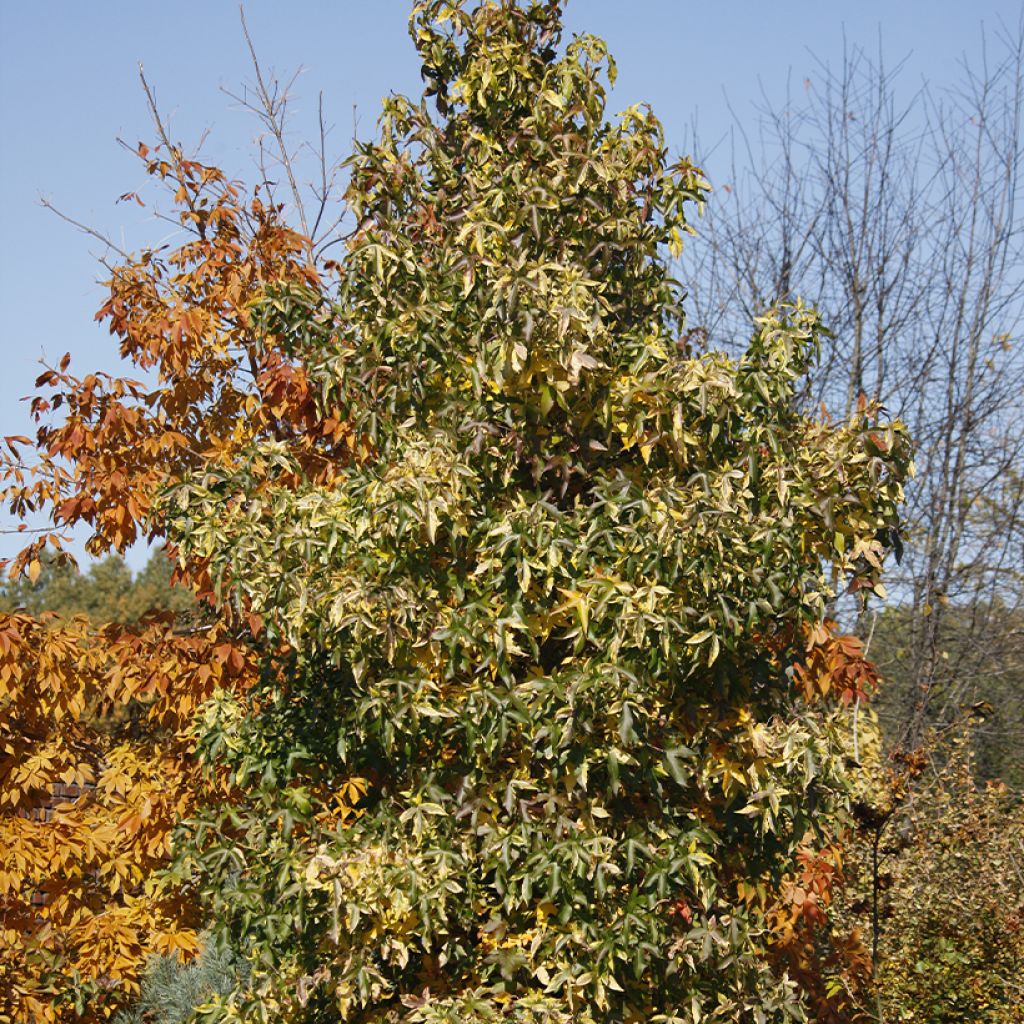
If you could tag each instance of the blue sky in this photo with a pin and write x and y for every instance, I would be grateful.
(69, 89)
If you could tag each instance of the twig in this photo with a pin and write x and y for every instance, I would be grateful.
(856, 706)
(46, 204)
(274, 104)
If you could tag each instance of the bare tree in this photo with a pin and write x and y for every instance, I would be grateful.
(897, 214)
(316, 203)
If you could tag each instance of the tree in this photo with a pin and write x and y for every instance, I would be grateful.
(898, 216)
(106, 593)
(540, 748)
(96, 740)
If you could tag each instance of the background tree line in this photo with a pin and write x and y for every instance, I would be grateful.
(107, 591)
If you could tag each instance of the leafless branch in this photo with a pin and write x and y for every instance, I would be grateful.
(271, 107)
(84, 228)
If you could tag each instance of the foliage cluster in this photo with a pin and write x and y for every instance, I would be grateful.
(96, 771)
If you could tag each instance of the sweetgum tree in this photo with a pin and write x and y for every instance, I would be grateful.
(541, 734)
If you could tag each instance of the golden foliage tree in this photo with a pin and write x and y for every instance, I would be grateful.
(88, 801)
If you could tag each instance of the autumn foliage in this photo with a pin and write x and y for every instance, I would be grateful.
(96, 770)
(107, 445)
(512, 692)
(101, 715)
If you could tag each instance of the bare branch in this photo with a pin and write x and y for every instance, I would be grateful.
(271, 108)
(84, 228)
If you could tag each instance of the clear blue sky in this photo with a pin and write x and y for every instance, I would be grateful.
(69, 89)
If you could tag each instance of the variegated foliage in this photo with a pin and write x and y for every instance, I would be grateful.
(558, 758)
